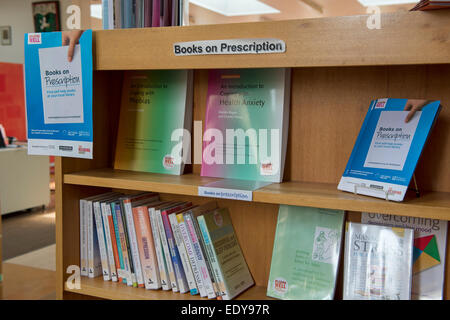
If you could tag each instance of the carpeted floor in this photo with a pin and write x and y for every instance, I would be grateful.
(28, 231)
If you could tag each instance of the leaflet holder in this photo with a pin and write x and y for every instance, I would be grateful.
(386, 193)
(361, 186)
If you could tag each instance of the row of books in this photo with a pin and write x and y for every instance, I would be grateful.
(145, 242)
(246, 126)
(120, 14)
(386, 257)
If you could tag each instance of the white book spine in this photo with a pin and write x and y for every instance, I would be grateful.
(192, 257)
(165, 246)
(207, 282)
(164, 275)
(83, 239)
(183, 254)
(101, 241)
(133, 244)
(90, 234)
(209, 247)
(106, 209)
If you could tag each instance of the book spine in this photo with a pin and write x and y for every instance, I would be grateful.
(133, 243)
(119, 260)
(148, 10)
(164, 274)
(90, 237)
(109, 245)
(213, 258)
(183, 254)
(83, 239)
(191, 254)
(200, 258)
(101, 241)
(123, 245)
(146, 249)
(156, 13)
(205, 255)
(175, 255)
(95, 248)
(165, 246)
(117, 14)
(129, 14)
(105, 14)
(174, 18)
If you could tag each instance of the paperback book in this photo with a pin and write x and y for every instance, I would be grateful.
(246, 124)
(306, 253)
(377, 262)
(155, 121)
(429, 251)
(387, 148)
(227, 261)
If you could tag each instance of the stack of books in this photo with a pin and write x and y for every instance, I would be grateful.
(145, 242)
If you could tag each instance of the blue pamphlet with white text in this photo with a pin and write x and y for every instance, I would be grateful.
(388, 147)
(58, 95)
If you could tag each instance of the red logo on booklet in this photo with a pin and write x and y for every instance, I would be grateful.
(82, 150)
(34, 38)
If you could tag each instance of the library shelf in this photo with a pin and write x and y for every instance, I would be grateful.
(338, 67)
(434, 205)
(96, 287)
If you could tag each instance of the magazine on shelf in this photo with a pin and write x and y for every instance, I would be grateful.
(429, 251)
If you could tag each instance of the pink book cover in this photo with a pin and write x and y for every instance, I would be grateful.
(156, 13)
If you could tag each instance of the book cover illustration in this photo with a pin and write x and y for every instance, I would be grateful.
(429, 251)
(246, 124)
(156, 107)
(306, 253)
(58, 95)
(377, 262)
(387, 149)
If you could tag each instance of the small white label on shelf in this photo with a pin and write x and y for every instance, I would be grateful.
(244, 195)
(229, 46)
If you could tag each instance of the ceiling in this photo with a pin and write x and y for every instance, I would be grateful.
(291, 9)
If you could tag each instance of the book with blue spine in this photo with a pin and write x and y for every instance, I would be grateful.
(174, 253)
(388, 148)
(121, 266)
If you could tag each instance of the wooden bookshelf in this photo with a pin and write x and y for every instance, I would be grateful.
(110, 290)
(435, 205)
(339, 66)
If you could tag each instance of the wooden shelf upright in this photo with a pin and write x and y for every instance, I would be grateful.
(338, 67)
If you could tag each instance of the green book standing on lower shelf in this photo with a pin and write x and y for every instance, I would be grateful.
(305, 253)
(155, 121)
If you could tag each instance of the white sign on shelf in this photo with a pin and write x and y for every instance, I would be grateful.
(229, 46)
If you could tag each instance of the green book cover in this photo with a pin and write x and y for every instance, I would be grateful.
(227, 253)
(156, 112)
(305, 253)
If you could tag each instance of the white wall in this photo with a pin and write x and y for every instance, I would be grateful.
(17, 14)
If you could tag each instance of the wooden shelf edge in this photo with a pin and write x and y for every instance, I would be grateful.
(317, 42)
(434, 205)
(109, 290)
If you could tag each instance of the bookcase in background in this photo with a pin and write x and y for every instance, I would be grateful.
(339, 66)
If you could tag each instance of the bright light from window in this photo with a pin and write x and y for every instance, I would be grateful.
(96, 11)
(235, 7)
(370, 3)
